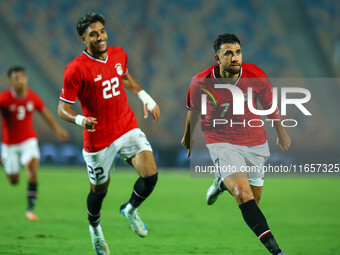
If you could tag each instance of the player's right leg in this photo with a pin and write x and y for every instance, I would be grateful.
(10, 161)
(99, 165)
(94, 203)
(239, 186)
(214, 191)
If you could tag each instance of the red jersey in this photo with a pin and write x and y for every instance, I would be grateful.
(236, 129)
(98, 85)
(17, 115)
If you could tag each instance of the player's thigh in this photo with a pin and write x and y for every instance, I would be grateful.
(144, 163)
(10, 159)
(136, 149)
(227, 159)
(31, 168)
(256, 157)
(30, 154)
(100, 164)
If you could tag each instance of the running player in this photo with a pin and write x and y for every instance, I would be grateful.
(19, 140)
(98, 78)
(239, 144)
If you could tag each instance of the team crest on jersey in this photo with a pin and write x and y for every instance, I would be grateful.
(29, 106)
(119, 69)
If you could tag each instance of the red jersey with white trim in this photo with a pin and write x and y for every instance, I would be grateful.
(17, 115)
(98, 85)
(219, 124)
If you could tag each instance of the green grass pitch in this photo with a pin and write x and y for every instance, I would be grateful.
(302, 213)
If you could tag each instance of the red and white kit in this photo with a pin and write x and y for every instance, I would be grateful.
(238, 134)
(236, 145)
(98, 85)
(19, 140)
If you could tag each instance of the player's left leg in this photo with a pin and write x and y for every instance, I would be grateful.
(31, 168)
(136, 150)
(257, 190)
(30, 160)
(145, 165)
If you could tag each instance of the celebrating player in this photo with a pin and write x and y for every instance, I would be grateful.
(238, 145)
(19, 140)
(97, 78)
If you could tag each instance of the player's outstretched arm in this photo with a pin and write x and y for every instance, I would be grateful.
(283, 140)
(61, 133)
(149, 104)
(66, 113)
(190, 124)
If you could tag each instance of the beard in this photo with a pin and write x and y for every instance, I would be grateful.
(234, 69)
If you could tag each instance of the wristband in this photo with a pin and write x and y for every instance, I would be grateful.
(146, 99)
(79, 120)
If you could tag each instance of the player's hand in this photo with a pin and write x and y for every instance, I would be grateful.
(89, 123)
(155, 112)
(283, 142)
(187, 143)
(62, 134)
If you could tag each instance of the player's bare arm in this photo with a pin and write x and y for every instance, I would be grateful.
(190, 124)
(67, 113)
(61, 133)
(283, 140)
(149, 104)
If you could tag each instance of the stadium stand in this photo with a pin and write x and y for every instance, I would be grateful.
(167, 42)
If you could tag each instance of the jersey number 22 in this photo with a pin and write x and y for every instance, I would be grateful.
(110, 87)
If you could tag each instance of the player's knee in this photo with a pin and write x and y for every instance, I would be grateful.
(33, 178)
(13, 179)
(243, 194)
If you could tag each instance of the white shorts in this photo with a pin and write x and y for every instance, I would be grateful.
(101, 163)
(13, 155)
(229, 158)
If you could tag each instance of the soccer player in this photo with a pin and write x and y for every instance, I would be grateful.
(19, 140)
(98, 78)
(238, 145)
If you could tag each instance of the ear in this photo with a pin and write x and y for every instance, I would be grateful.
(217, 58)
(82, 38)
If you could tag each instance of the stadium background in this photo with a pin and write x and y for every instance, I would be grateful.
(167, 43)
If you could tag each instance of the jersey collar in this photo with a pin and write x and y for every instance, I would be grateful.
(96, 59)
(16, 96)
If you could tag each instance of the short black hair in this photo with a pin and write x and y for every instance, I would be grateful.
(225, 38)
(88, 19)
(15, 69)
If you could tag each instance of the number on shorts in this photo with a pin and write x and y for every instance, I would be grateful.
(96, 174)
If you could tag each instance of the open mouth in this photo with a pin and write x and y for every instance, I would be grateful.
(101, 44)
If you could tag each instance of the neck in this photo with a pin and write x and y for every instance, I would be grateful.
(101, 56)
(21, 93)
(224, 74)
